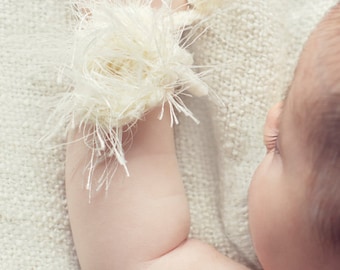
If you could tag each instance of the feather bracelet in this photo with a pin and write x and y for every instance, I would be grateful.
(127, 59)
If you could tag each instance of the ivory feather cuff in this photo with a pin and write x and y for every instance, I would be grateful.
(128, 58)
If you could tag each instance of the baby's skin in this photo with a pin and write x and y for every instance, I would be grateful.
(142, 221)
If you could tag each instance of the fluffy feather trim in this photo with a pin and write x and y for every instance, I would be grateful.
(128, 58)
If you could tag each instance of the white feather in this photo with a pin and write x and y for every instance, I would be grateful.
(127, 60)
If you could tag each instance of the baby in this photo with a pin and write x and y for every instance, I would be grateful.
(294, 199)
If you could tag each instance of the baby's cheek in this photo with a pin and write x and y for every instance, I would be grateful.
(256, 196)
(260, 195)
(266, 207)
(260, 177)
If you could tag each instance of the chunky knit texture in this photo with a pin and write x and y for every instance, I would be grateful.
(254, 46)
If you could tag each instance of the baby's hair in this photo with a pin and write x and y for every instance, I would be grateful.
(323, 133)
(325, 187)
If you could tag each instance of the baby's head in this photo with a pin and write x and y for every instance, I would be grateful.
(294, 199)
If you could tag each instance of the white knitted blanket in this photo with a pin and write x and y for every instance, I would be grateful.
(254, 45)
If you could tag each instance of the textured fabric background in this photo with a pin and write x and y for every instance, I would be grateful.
(254, 46)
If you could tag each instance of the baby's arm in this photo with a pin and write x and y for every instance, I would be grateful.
(142, 222)
(133, 222)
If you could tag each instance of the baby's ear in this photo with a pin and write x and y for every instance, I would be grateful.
(271, 128)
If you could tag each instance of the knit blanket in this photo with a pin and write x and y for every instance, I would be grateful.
(253, 47)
